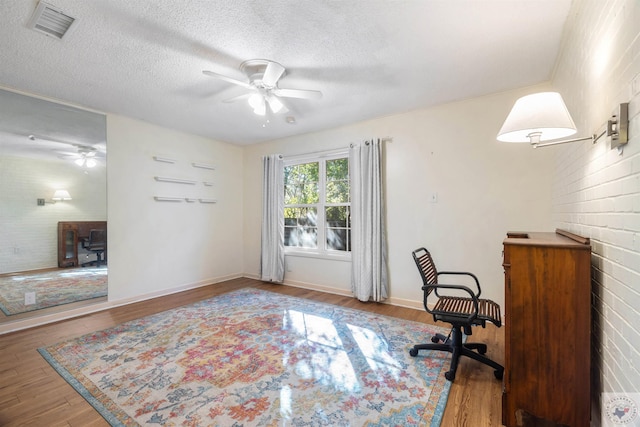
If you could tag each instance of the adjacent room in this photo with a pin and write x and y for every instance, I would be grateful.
(214, 213)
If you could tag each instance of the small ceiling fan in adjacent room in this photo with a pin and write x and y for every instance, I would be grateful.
(263, 77)
(84, 156)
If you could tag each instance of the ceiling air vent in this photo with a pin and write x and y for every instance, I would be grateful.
(50, 20)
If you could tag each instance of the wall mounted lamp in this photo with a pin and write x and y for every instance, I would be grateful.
(58, 196)
(61, 195)
(544, 117)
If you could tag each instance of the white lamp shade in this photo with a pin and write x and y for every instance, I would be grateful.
(542, 115)
(61, 195)
(275, 104)
(256, 101)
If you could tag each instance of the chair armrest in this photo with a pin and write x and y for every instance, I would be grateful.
(463, 273)
(434, 287)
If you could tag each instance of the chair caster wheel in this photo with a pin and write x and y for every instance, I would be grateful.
(413, 352)
(482, 349)
(498, 374)
(450, 375)
(435, 339)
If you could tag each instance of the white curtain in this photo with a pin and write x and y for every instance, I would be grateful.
(368, 250)
(272, 253)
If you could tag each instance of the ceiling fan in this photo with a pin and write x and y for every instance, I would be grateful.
(85, 156)
(263, 76)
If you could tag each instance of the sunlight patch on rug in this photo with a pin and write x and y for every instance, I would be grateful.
(252, 357)
(51, 288)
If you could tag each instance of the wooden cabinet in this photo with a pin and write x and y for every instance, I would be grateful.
(547, 328)
(70, 234)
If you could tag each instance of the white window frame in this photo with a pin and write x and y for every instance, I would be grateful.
(320, 251)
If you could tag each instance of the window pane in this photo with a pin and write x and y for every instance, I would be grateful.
(337, 186)
(300, 227)
(339, 239)
(337, 216)
(301, 194)
(338, 192)
(338, 228)
(338, 169)
(301, 183)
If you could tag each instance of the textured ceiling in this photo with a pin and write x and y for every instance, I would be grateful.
(369, 58)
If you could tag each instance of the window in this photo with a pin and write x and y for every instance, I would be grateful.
(317, 205)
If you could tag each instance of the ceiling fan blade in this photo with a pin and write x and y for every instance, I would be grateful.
(68, 156)
(276, 105)
(227, 79)
(238, 98)
(272, 74)
(297, 93)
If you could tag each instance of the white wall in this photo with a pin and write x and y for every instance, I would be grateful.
(484, 189)
(156, 247)
(597, 190)
(29, 232)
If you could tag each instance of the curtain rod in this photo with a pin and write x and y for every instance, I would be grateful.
(314, 153)
(333, 150)
(386, 139)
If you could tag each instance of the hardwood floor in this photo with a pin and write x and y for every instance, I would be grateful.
(32, 393)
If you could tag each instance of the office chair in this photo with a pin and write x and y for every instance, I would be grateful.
(96, 243)
(461, 312)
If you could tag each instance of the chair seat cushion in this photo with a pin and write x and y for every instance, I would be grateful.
(451, 308)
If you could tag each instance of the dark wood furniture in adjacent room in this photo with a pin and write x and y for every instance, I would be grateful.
(70, 233)
(547, 328)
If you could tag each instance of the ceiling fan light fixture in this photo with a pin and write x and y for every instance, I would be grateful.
(258, 103)
(275, 104)
(91, 163)
(255, 101)
(79, 161)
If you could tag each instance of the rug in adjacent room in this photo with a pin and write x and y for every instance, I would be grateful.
(51, 288)
(252, 357)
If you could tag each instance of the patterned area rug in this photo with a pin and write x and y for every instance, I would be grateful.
(257, 358)
(51, 288)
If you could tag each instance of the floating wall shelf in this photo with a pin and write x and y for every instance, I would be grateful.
(183, 199)
(174, 180)
(203, 166)
(163, 159)
(167, 199)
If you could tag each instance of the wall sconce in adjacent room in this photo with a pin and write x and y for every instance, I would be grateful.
(544, 117)
(61, 195)
(58, 196)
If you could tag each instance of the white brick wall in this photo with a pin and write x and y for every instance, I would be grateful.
(28, 232)
(597, 190)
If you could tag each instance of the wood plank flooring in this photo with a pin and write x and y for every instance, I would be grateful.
(33, 394)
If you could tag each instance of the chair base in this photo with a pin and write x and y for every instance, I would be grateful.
(97, 262)
(454, 345)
